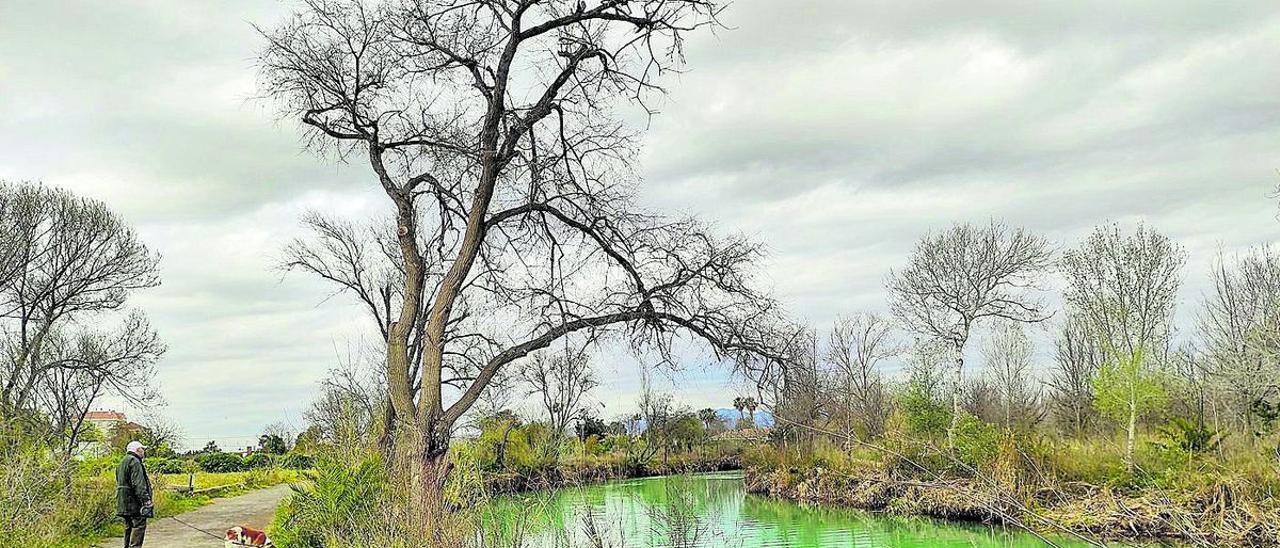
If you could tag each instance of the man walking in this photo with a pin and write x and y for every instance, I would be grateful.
(133, 495)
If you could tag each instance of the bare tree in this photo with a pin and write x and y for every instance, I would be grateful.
(1123, 287)
(1192, 383)
(1077, 356)
(796, 391)
(350, 407)
(493, 129)
(71, 265)
(857, 346)
(364, 262)
(1237, 323)
(964, 275)
(1007, 354)
(561, 380)
(654, 410)
(981, 398)
(81, 369)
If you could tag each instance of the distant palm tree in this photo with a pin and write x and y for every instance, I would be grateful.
(739, 404)
(709, 418)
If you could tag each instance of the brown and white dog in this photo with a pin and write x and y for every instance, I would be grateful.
(245, 536)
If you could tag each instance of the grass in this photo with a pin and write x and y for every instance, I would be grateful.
(170, 502)
(251, 479)
(1212, 495)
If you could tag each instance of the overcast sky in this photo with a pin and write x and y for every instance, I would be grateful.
(835, 131)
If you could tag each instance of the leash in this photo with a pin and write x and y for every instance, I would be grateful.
(221, 538)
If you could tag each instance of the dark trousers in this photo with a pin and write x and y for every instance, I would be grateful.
(135, 528)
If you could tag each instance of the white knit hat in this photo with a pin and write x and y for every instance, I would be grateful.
(134, 446)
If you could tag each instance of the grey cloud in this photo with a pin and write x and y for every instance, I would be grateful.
(835, 132)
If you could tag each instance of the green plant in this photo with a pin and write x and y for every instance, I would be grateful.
(922, 413)
(220, 462)
(170, 466)
(297, 461)
(1189, 436)
(976, 442)
(1126, 391)
(343, 497)
(257, 461)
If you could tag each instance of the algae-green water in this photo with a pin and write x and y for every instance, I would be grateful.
(714, 510)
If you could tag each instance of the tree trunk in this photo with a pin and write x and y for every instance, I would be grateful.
(1133, 425)
(386, 438)
(956, 379)
(501, 459)
(424, 466)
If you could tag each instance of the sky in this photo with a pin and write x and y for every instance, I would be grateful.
(836, 132)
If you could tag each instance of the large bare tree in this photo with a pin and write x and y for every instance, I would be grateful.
(493, 128)
(66, 335)
(964, 275)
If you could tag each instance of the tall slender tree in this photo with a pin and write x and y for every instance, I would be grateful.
(1007, 354)
(1123, 288)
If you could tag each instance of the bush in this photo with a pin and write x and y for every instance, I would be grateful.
(977, 443)
(221, 462)
(1189, 436)
(297, 461)
(35, 509)
(343, 498)
(170, 466)
(258, 461)
(922, 413)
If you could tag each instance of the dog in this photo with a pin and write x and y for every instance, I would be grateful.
(245, 536)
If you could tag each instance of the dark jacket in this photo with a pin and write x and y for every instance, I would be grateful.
(133, 488)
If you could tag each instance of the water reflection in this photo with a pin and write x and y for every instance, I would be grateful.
(713, 510)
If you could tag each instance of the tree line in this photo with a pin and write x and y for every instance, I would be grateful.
(1116, 359)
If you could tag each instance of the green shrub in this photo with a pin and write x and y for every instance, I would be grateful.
(922, 413)
(258, 461)
(976, 442)
(342, 500)
(35, 509)
(1189, 436)
(297, 461)
(221, 462)
(169, 466)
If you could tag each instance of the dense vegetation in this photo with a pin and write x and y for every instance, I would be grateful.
(1127, 428)
(504, 453)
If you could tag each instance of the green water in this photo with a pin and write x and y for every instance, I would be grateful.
(713, 510)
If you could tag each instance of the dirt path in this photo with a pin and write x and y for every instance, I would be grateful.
(253, 509)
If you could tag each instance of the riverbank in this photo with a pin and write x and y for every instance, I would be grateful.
(1220, 514)
(589, 472)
